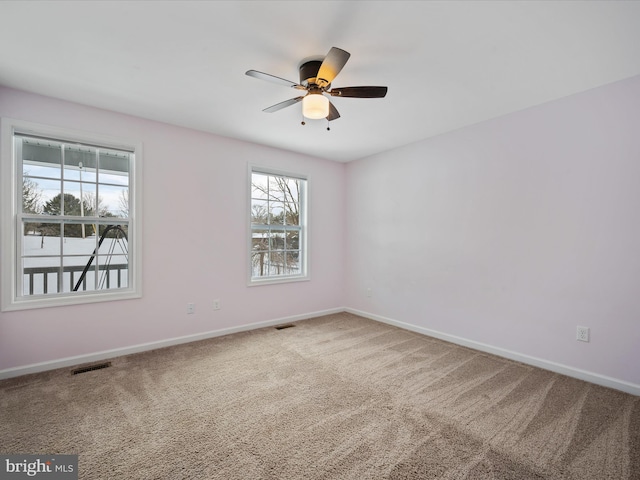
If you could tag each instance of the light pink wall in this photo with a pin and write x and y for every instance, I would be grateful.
(195, 214)
(511, 232)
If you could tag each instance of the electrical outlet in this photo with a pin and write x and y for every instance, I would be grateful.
(216, 304)
(191, 308)
(582, 334)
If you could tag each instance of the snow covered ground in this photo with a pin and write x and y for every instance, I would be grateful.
(73, 253)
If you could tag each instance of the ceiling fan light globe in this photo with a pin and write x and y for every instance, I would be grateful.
(315, 106)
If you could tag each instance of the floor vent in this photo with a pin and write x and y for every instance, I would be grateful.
(282, 327)
(90, 368)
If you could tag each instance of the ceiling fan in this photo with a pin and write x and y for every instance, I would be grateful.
(316, 75)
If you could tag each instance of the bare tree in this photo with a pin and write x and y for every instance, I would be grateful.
(279, 190)
(93, 208)
(123, 202)
(31, 201)
(281, 208)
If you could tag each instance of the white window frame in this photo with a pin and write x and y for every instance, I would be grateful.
(11, 200)
(304, 229)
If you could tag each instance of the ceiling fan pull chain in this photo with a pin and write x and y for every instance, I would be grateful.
(328, 128)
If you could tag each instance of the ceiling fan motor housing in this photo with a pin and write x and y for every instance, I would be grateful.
(309, 73)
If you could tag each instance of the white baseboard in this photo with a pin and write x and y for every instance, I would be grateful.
(591, 377)
(598, 379)
(118, 352)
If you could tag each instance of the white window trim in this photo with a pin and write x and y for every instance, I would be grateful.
(305, 276)
(10, 196)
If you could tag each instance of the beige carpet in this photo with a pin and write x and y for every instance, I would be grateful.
(337, 397)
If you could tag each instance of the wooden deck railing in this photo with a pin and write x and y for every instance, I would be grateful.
(34, 273)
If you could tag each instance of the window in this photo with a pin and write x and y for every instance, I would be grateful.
(278, 227)
(71, 222)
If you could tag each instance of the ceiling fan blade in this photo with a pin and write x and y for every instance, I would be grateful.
(333, 112)
(281, 105)
(359, 92)
(274, 79)
(331, 66)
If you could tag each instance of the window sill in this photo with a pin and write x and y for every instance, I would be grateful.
(278, 280)
(67, 300)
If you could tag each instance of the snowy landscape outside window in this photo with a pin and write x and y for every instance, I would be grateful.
(73, 220)
(278, 227)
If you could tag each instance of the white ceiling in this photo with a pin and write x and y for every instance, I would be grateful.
(447, 64)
